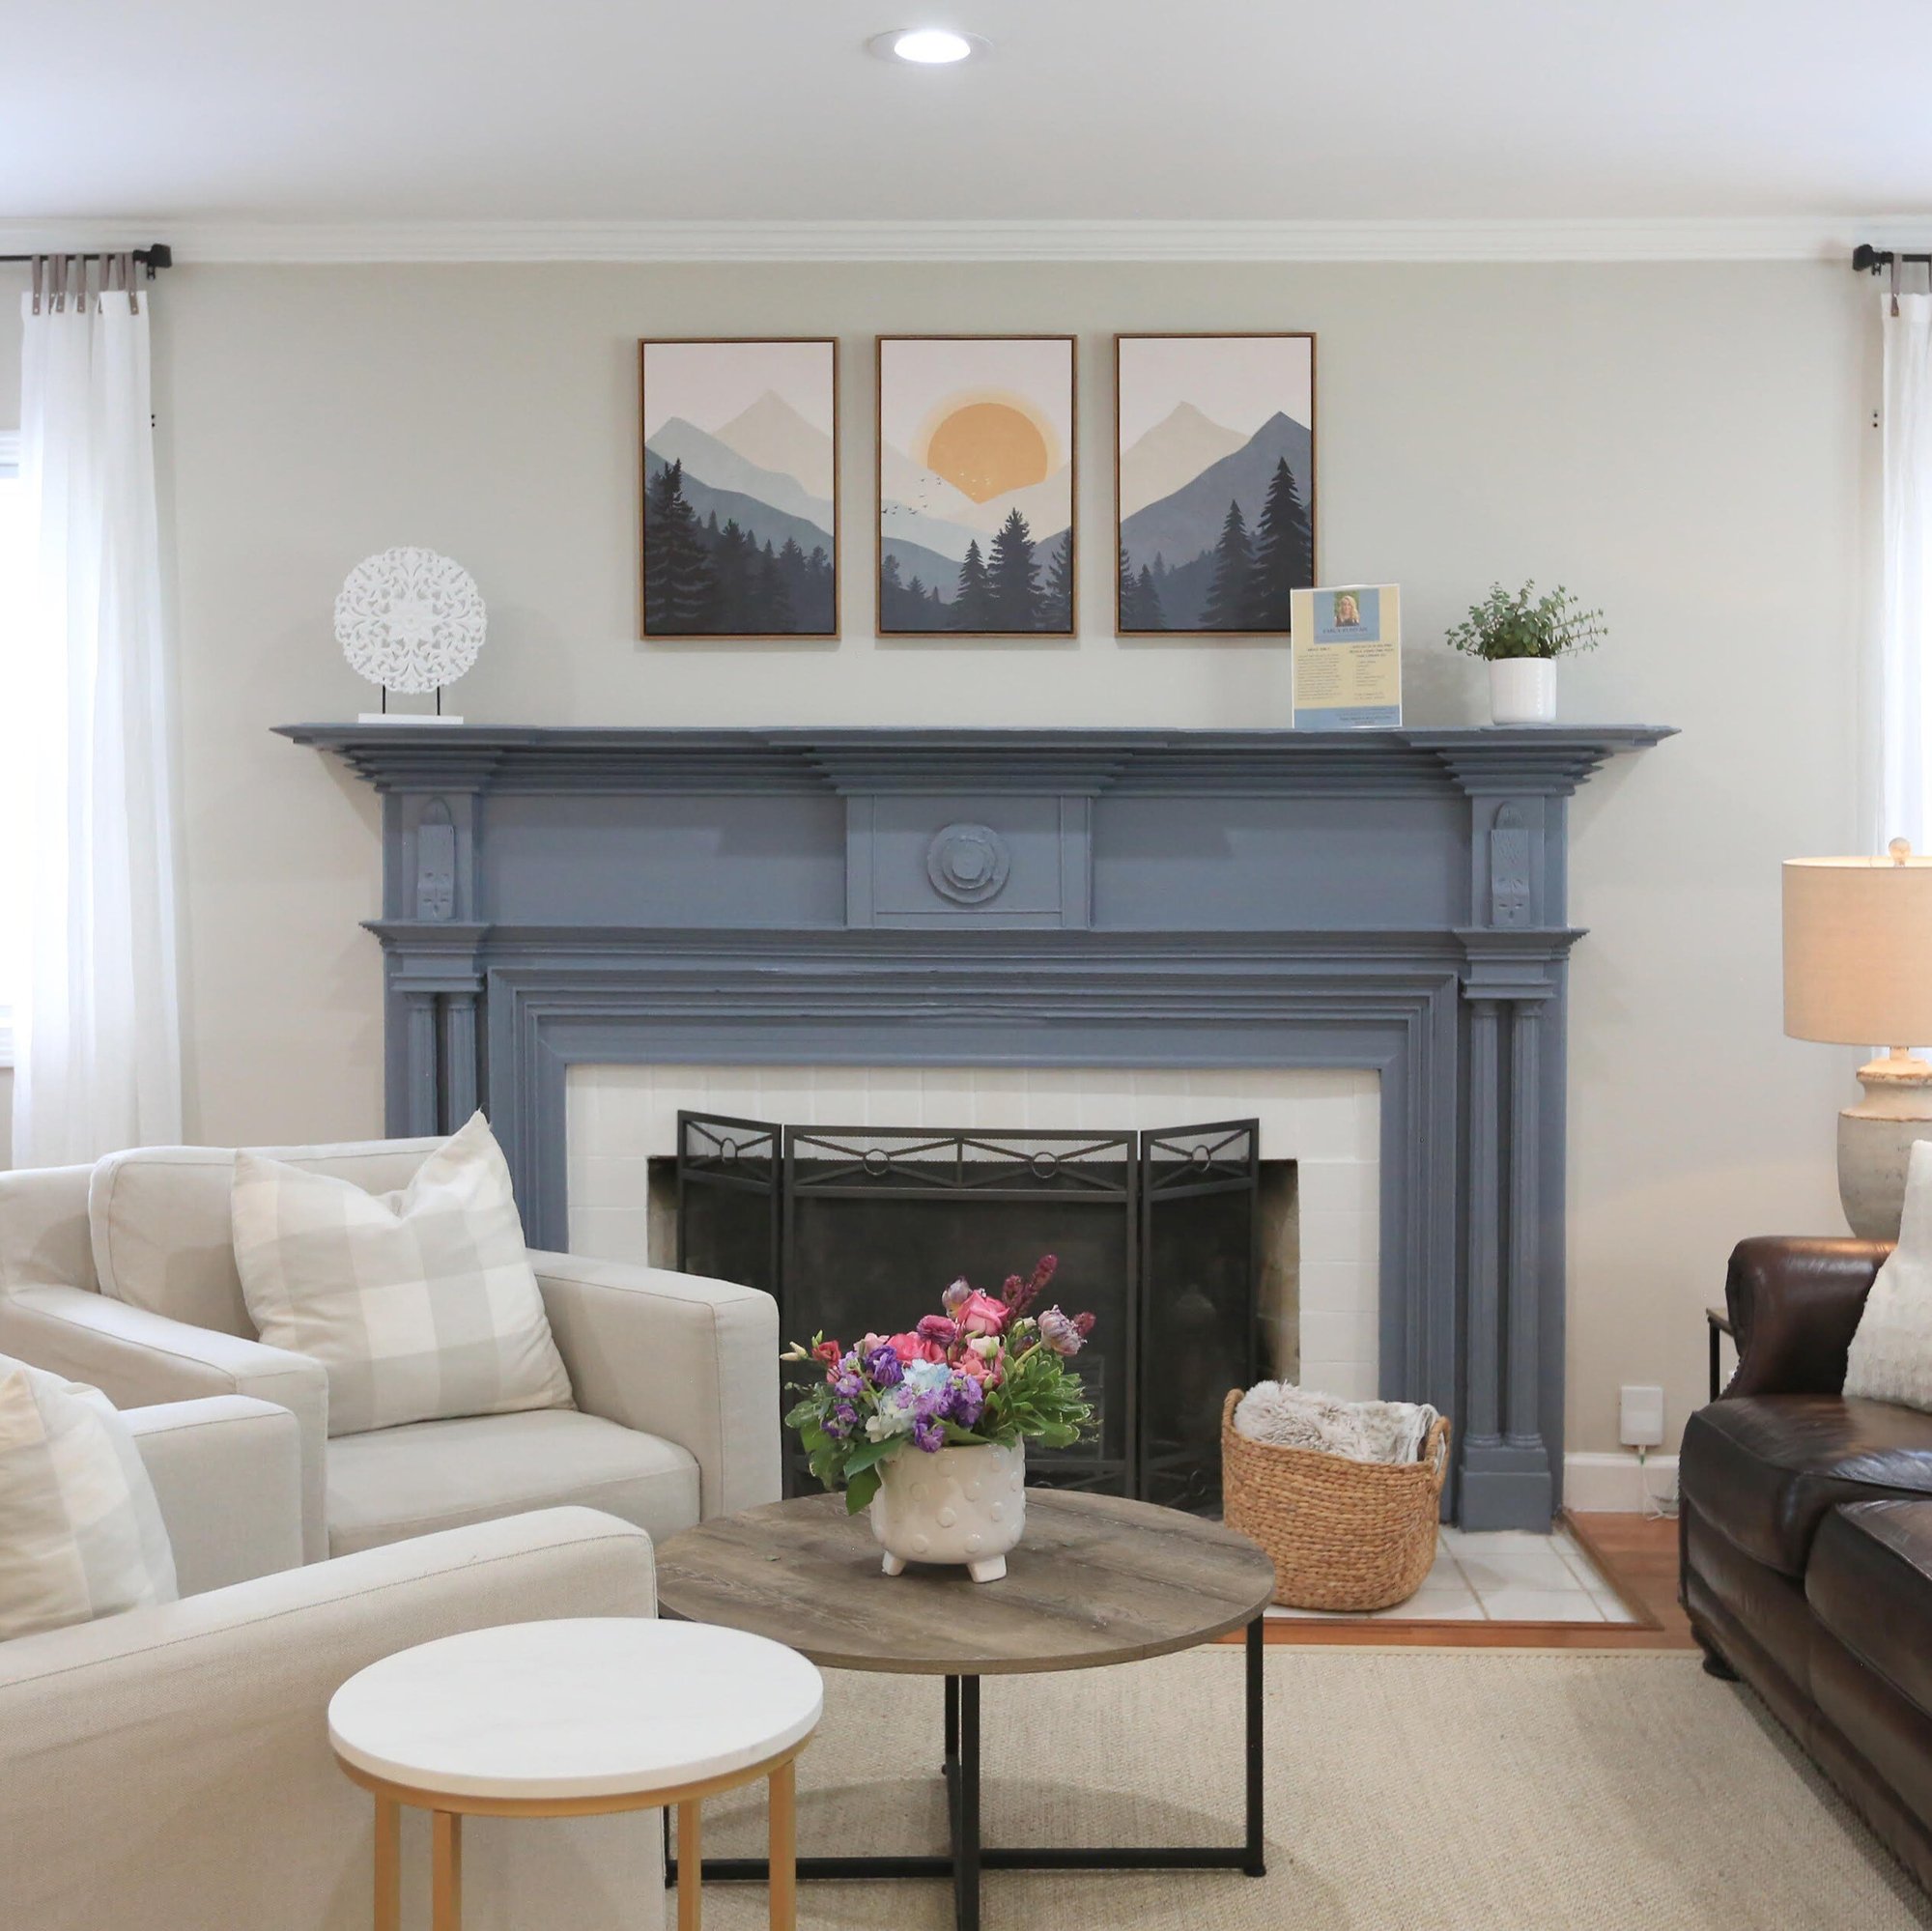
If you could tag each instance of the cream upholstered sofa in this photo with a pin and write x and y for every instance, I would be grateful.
(169, 1769)
(123, 1275)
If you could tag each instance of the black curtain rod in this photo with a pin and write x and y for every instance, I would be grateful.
(1867, 260)
(159, 256)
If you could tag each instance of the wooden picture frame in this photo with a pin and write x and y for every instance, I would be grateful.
(1200, 424)
(992, 438)
(727, 572)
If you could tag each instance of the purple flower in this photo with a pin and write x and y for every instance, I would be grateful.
(847, 1381)
(968, 1401)
(928, 1436)
(885, 1367)
(1061, 1332)
(955, 1297)
(841, 1421)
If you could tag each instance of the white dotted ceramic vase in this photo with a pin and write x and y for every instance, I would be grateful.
(956, 1506)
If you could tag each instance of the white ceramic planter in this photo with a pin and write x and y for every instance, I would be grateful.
(1523, 690)
(958, 1505)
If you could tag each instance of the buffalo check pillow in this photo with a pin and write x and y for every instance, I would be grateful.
(81, 1534)
(421, 1304)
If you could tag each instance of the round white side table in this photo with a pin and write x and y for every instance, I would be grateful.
(575, 1718)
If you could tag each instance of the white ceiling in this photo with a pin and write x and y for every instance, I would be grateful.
(1089, 110)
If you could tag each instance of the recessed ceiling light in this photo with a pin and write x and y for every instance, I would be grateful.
(926, 46)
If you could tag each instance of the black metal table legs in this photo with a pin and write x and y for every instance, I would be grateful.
(968, 1856)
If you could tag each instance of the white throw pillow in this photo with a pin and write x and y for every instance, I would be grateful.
(81, 1534)
(421, 1304)
(1890, 1356)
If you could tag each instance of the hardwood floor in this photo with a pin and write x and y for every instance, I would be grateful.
(1637, 1556)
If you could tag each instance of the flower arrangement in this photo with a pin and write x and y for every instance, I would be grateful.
(985, 1371)
(1509, 624)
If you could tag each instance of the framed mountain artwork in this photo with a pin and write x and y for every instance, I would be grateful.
(1214, 446)
(741, 488)
(976, 485)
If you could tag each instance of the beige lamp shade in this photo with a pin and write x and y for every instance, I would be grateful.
(1858, 950)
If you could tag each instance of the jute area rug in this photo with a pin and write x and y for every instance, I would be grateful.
(1443, 1791)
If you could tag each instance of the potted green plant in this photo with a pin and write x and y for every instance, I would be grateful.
(1520, 636)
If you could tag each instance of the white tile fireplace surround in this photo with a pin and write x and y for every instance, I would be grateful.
(619, 1118)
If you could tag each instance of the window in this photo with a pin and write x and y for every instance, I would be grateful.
(13, 597)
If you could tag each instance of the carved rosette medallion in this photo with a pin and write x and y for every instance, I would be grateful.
(409, 620)
(968, 863)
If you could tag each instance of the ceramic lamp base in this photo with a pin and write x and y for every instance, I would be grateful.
(1875, 1142)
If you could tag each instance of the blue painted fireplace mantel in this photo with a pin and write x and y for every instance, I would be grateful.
(1390, 899)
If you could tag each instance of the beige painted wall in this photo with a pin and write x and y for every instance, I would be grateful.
(1684, 445)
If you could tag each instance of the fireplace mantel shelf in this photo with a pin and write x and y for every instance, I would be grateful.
(1539, 759)
(1395, 901)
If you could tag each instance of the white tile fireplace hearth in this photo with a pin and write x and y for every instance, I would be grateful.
(1325, 1277)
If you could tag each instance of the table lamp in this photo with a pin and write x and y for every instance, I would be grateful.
(1858, 972)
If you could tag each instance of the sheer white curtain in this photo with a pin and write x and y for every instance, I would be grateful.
(1904, 723)
(96, 1029)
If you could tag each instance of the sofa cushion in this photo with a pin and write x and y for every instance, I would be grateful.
(420, 1303)
(399, 1482)
(1765, 1469)
(1869, 1583)
(81, 1533)
(1890, 1356)
(158, 1218)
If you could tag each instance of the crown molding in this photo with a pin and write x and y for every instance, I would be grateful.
(1741, 239)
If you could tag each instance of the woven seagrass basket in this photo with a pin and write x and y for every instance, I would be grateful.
(1343, 1535)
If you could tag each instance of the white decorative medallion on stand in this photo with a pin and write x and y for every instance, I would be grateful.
(409, 620)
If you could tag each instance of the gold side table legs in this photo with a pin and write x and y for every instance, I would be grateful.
(689, 1866)
(781, 1825)
(781, 1811)
(447, 1855)
(388, 1865)
(446, 1868)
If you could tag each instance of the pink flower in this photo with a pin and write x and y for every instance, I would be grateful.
(981, 1314)
(936, 1327)
(912, 1347)
(988, 1369)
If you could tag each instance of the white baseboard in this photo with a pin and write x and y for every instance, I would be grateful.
(1596, 1484)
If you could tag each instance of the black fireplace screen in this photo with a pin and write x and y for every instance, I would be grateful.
(861, 1227)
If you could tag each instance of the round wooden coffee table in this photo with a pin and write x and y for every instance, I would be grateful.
(1096, 1580)
(573, 1719)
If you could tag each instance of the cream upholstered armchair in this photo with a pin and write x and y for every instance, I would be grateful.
(169, 1769)
(123, 1275)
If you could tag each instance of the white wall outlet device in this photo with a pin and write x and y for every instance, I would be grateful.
(1640, 1417)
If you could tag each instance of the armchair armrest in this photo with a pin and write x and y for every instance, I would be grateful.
(136, 1358)
(678, 1355)
(1794, 1305)
(171, 1766)
(227, 1472)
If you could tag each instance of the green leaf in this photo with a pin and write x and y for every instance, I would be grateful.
(859, 1490)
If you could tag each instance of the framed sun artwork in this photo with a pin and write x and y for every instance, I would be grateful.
(975, 486)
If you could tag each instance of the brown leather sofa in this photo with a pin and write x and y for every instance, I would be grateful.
(1805, 1529)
